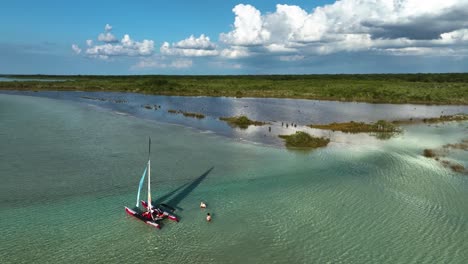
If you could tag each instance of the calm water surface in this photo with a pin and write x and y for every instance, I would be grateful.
(274, 111)
(67, 169)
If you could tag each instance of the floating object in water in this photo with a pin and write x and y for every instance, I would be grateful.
(202, 205)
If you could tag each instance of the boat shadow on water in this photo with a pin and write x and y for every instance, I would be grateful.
(181, 192)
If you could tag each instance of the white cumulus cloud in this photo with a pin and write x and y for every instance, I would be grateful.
(109, 46)
(126, 47)
(348, 26)
(107, 28)
(107, 37)
(235, 52)
(295, 35)
(190, 47)
(76, 49)
(248, 27)
(202, 42)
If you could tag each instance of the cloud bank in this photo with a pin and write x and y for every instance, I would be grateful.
(293, 35)
(350, 26)
(112, 47)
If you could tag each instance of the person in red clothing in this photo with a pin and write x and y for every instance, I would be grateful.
(158, 213)
(146, 215)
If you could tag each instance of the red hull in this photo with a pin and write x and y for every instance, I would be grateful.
(140, 217)
(165, 213)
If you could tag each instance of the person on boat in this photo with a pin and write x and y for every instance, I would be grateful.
(202, 205)
(208, 217)
(146, 215)
(158, 212)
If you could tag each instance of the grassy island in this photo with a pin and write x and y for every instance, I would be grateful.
(361, 127)
(446, 118)
(303, 140)
(440, 154)
(434, 120)
(429, 153)
(446, 88)
(193, 115)
(187, 114)
(241, 121)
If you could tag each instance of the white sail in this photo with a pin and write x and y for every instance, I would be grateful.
(149, 185)
(142, 180)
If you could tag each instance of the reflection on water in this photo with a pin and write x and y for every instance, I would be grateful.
(275, 111)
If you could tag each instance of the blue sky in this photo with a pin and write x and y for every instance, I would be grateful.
(233, 37)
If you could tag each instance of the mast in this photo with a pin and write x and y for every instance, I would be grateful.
(149, 177)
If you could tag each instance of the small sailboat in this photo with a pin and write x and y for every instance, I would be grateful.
(152, 214)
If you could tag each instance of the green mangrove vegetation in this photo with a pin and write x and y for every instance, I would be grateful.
(429, 153)
(241, 121)
(187, 114)
(194, 115)
(380, 126)
(446, 118)
(304, 140)
(433, 120)
(446, 88)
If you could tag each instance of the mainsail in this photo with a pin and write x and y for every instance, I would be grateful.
(149, 187)
(149, 177)
(142, 180)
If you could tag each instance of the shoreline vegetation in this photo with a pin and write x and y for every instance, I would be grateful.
(434, 120)
(187, 114)
(380, 126)
(242, 122)
(117, 101)
(383, 126)
(302, 140)
(440, 154)
(443, 88)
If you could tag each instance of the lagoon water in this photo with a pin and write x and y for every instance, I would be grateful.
(271, 110)
(67, 168)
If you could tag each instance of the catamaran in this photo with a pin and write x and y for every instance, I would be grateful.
(153, 214)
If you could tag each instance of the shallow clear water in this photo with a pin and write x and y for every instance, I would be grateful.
(67, 169)
(278, 112)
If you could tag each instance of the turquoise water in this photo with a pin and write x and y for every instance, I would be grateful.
(67, 169)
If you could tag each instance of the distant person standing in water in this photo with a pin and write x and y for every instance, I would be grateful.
(208, 217)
